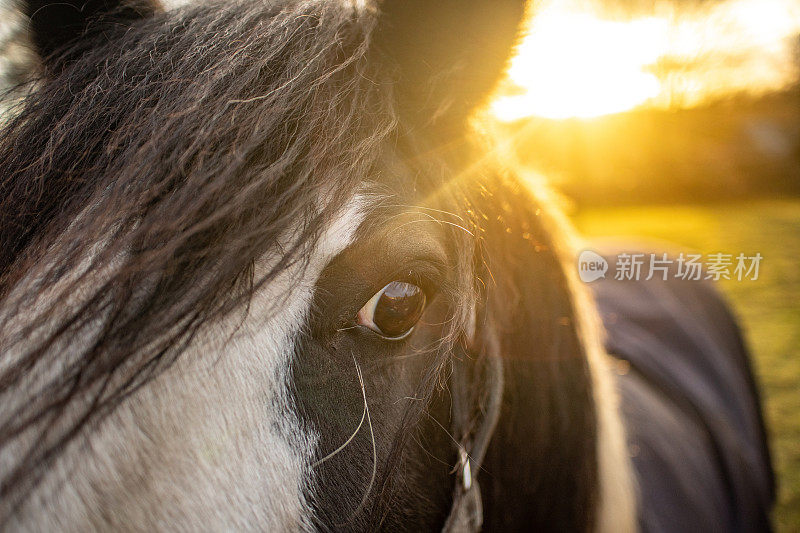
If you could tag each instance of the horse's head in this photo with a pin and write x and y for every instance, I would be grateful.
(257, 275)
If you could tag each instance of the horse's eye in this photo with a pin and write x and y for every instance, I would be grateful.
(394, 310)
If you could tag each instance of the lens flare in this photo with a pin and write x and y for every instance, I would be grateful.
(578, 60)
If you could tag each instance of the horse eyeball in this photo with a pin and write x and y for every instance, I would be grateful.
(394, 310)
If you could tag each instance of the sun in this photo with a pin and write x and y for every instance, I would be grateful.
(578, 61)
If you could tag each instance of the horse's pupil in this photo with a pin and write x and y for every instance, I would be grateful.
(399, 308)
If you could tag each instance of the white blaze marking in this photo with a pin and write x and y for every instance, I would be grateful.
(213, 443)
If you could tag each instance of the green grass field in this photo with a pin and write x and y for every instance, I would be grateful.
(769, 308)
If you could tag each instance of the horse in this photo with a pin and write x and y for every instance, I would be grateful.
(260, 270)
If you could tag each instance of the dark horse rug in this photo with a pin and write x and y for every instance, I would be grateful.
(690, 406)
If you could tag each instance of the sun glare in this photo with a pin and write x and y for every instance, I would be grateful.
(579, 61)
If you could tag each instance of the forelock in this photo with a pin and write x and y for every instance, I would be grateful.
(193, 140)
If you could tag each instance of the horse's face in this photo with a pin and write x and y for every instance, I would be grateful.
(312, 277)
(318, 402)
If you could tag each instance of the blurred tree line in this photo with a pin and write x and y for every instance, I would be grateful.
(737, 148)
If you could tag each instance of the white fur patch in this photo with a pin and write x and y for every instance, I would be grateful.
(213, 443)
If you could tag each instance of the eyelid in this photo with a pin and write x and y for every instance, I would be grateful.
(424, 273)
